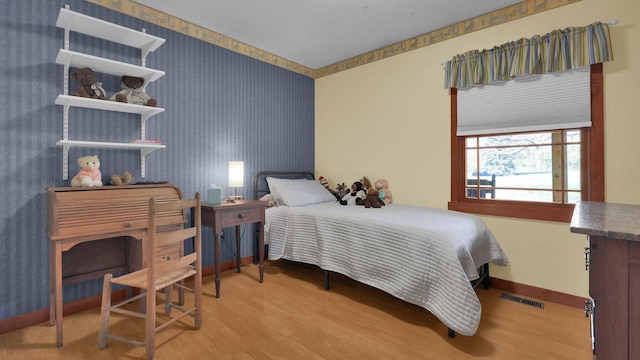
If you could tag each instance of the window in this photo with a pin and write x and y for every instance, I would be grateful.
(534, 175)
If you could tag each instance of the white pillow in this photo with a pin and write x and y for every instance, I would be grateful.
(299, 192)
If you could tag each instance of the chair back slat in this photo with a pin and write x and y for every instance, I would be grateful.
(170, 237)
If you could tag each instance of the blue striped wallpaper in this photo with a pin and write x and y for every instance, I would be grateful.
(220, 106)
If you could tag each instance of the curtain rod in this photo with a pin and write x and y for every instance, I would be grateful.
(610, 22)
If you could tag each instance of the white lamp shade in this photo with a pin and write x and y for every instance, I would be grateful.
(236, 173)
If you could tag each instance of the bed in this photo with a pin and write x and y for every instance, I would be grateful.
(429, 257)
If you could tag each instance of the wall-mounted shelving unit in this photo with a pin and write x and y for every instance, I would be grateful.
(73, 21)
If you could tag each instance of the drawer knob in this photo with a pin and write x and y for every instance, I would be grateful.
(241, 215)
(128, 224)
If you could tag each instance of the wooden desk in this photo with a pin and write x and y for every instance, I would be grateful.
(235, 214)
(79, 215)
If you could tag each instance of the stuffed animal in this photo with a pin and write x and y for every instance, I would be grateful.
(89, 85)
(357, 193)
(371, 198)
(382, 186)
(341, 191)
(323, 181)
(133, 93)
(90, 174)
(125, 179)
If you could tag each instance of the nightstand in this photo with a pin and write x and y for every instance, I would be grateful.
(235, 214)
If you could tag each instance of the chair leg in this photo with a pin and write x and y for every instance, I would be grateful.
(150, 320)
(167, 300)
(105, 311)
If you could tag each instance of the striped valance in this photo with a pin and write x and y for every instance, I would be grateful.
(559, 50)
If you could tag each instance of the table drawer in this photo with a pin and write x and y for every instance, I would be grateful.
(241, 216)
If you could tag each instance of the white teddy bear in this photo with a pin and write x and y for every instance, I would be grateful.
(90, 174)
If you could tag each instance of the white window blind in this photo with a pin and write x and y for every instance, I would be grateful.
(527, 103)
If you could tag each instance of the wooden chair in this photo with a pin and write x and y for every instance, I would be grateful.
(160, 272)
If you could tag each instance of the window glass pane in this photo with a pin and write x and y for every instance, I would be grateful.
(472, 141)
(525, 195)
(516, 139)
(523, 165)
(573, 167)
(573, 136)
(573, 197)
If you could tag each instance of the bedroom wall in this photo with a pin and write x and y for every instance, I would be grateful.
(220, 106)
(391, 119)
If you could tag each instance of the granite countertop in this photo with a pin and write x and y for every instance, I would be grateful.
(618, 221)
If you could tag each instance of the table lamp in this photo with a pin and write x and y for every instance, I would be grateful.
(236, 176)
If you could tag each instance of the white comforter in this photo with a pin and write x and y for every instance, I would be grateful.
(424, 256)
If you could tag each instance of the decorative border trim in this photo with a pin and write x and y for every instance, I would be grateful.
(501, 16)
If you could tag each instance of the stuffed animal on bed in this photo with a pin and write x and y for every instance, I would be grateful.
(324, 182)
(372, 198)
(360, 195)
(133, 93)
(89, 85)
(382, 186)
(90, 174)
(341, 191)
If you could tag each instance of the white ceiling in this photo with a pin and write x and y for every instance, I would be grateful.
(318, 33)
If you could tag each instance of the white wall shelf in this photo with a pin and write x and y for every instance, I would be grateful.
(73, 21)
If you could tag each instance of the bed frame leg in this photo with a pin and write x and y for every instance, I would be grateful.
(486, 280)
(451, 333)
(326, 279)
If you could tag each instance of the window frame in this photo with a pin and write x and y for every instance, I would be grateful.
(592, 165)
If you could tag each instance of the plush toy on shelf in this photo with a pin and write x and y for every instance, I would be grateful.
(125, 179)
(89, 85)
(382, 186)
(90, 174)
(133, 93)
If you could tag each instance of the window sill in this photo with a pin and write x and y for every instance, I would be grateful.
(516, 209)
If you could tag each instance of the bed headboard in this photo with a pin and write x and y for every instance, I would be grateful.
(261, 188)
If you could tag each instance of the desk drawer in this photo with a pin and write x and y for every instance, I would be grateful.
(241, 216)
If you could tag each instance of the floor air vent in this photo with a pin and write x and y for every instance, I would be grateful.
(522, 301)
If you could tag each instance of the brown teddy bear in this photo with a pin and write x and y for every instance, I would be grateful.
(372, 198)
(89, 85)
(125, 179)
(133, 93)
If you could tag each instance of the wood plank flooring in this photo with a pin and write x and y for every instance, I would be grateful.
(291, 316)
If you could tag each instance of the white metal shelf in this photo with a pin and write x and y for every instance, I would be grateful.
(74, 21)
(89, 103)
(107, 66)
(145, 149)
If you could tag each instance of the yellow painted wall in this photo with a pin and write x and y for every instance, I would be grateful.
(391, 119)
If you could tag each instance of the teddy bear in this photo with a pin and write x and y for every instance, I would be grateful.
(90, 174)
(371, 199)
(133, 93)
(89, 85)
(125, 179)
(382, 186)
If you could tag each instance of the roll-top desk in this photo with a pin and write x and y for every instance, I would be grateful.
(78, 215)
(614, 275)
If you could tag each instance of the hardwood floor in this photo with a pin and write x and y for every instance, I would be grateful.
(291, 316)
